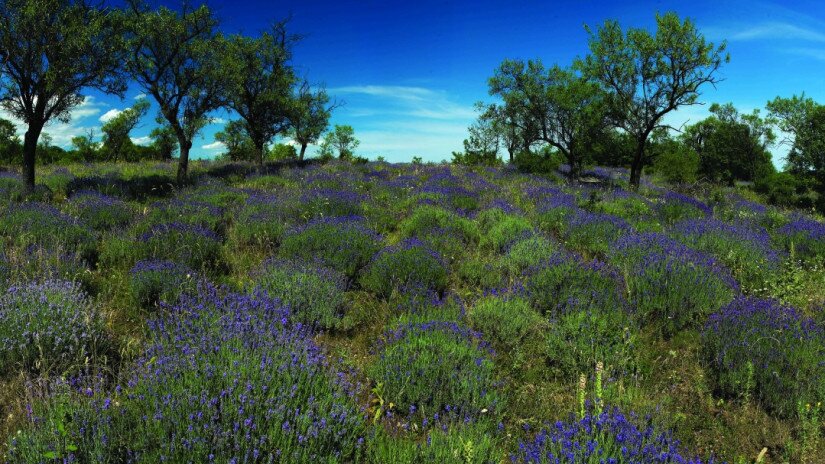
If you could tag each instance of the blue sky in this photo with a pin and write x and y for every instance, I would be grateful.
(409, 72)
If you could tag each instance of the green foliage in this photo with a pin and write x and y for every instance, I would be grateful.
(647, 75)
(239, 146)
(49, 327)
(410, 265)
(459, 444)
(116, 142)
(499, 230)
(192, 246)
(446, 232)
(52, 51)
(424, 368)
(341, 139)
(528, 252)
(677, 164)
(309, 115)
(153, 282)
(343, 245)
(37, 224)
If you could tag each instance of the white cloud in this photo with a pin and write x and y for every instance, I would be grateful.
(218, 121)
(815, 53)
(139, 96)
(109, 115)
(145, 140)
(417, 102)
(778, 31)
(214, 146)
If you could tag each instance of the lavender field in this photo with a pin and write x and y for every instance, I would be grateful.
(404, 313)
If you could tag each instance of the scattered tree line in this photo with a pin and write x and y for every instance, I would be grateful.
(609, 107)
(53, 50)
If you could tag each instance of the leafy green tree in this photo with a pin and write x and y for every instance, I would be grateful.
(116, 141)
(731, 146)
(646, 76)
(259, 81)
(310, 115)
(164, 141)
(85, 146)
(517, 132)
(175, 58)
(239, 146)
(282, 151)
(482, 145)
(565, 110)
(804, 120)
(9, 142)
(342, 140)
(50, 51)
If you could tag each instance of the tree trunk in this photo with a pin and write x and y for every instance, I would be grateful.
(303, 150)
(637, 165)
(29, 154)
(260, 147)
(183, 163)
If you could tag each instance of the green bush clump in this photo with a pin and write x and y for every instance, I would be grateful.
(759, 350)
(593, 233)
(447, 233)
(343, 244)
(408, 264)
(259, 224)
(98, 211)
(436, 367)
(28, 224)
(458, 444)
(194, 246)
(153, 282)
(672, 287)
(314, 294)
(185, 211)
(49, 327)
(528, 252)
(499, 229)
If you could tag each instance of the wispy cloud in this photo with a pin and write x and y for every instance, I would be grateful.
(109, 115)
(416, 102)
(815, 53)
(214, 146)
(145, 140)
(778, 31)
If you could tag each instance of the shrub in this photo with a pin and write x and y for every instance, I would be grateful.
(38, 224)
(508, 322)
(745, 249)
(528, 252)
(594, 232)
(194, 246)
(152, 282)
(499, 230)
(481, 271)
(446, 232)
(675, 207)
(564, 284)
(671, 286)
(606, 437)
(314, 294)
(554, 212)
(259, 224)
(343, 244)
(98, 211)
(323, 202)
(48, 327)
(11, 187)
(224, 379)
(435, 368)
(803, 237)
(758, 349)
(187, 212)
(456, 444)
(410, 263)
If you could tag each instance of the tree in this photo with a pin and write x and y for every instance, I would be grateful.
(164, 141)
(482, 145)
(804, 120)
(50, 51)
(175, 58)
(85, 146)
(239, 146)
(342, 139)
(259, 83)
(116, 141)
(9, 142)
(310, 115)
(647, 76)
(562, 109)
(731, 146)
